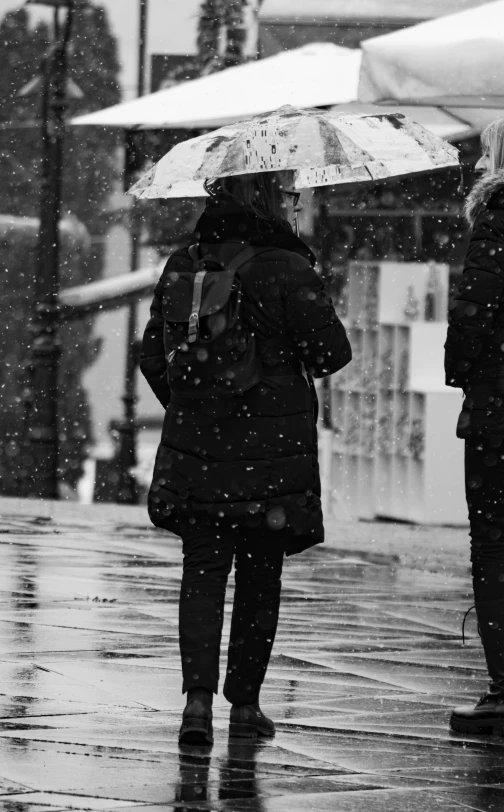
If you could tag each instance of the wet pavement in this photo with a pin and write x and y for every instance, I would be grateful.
(367, 664)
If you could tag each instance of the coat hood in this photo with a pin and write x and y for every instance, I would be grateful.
(480, 194)
(225, 220)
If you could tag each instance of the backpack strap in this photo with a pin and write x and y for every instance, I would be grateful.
(195, 254)
(192, 333)
(245, 255)
(199, 276)
(241, 258)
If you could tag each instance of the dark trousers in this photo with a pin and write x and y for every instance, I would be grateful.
(484, 475)
(208, 557)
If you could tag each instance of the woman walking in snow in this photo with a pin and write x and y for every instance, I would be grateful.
(237, 477)
(474, 361)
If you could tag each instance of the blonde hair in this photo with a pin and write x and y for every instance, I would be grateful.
(492, 140)
(259, 193)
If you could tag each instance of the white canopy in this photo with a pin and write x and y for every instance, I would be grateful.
(455, 61)
(316, 75)
(310, 11)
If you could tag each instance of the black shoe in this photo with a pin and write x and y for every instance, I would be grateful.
(196, 725)
(248, 722)
(487, 717)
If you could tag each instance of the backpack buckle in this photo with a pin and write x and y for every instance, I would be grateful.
(192, 333)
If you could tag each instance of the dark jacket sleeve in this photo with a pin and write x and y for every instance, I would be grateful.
(319, 338)
(479, 292)
(152, 358)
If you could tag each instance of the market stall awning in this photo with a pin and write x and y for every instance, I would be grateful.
(317, 75)
(334, 11)
(455, 61)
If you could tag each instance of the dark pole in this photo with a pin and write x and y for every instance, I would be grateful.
(142, 43)
(323, 197)
(127, 491)
(42, 463)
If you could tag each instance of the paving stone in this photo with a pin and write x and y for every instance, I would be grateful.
(367, 664)
(47, 800)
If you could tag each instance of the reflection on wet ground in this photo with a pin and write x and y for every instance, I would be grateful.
(367, 664)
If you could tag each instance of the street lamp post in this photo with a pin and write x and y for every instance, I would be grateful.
(127, 486)
(42, 398)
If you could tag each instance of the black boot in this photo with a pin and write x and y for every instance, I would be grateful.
(248, 721)
(197, 717)
(487, 716)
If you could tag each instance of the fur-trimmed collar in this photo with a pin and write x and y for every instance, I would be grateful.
(481, 193)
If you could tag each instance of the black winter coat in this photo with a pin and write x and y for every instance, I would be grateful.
(474, 349)
(251, 459)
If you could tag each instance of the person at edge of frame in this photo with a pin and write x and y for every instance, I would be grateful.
(245, 489)
(474, 362)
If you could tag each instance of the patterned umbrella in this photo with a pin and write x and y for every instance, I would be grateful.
(323, 148)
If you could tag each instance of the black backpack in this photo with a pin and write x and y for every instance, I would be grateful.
(209, 351)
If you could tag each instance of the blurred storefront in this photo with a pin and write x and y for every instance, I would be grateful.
(415, 219)
(383, 420)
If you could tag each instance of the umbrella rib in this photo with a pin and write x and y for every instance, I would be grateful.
(455, 116)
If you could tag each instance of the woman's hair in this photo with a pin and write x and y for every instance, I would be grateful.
(492, 139)
(259, 193)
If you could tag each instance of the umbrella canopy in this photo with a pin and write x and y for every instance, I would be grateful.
(455, 61)
(323, 149)
(443, 123)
